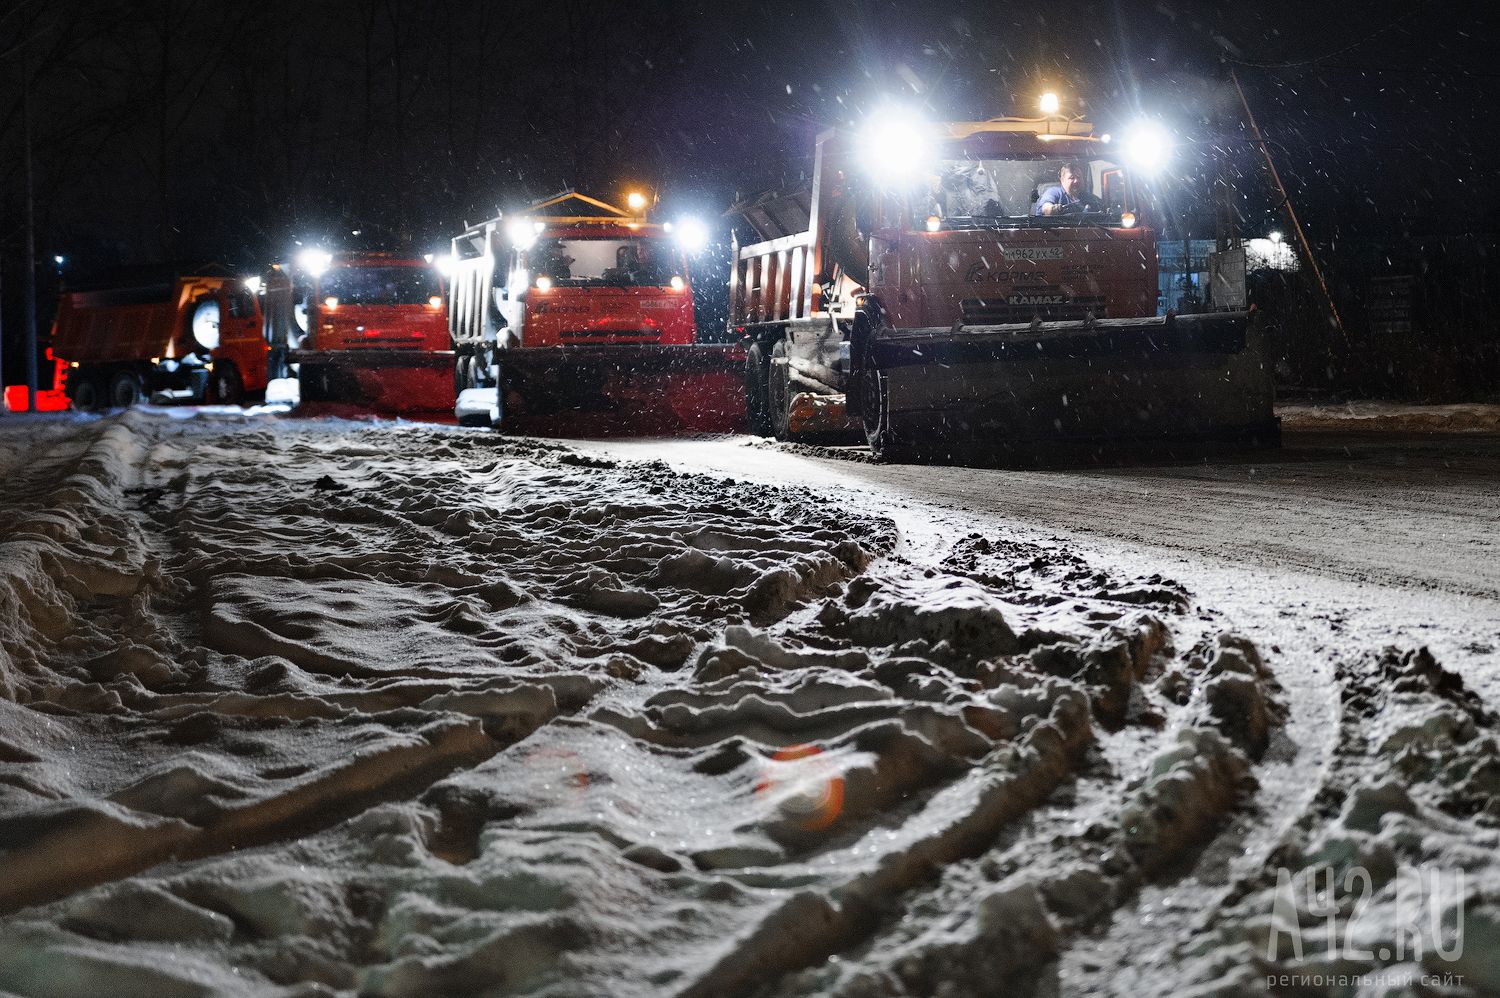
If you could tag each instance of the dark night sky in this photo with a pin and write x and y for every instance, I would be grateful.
(191, 128)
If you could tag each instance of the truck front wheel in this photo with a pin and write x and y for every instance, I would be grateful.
(757, 405)
(887, 446)
(460, 373)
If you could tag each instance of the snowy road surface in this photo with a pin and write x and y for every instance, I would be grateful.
(317, 707)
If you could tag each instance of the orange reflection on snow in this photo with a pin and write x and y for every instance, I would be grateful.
(816, 785)
(560, 770)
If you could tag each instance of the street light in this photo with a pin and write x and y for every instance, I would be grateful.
(1049, 103)
(1275, 237)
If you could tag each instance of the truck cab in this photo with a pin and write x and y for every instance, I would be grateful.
(963, 242)
(376, 331)
(376, 301)
(576, 307)
(597, 284)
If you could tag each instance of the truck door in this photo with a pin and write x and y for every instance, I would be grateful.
(241, 336)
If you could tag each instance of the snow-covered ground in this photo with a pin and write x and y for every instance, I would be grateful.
(316, 706)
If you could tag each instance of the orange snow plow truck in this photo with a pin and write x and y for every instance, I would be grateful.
(376, 331)
(922, 293)
(575, 318)
(161, 333)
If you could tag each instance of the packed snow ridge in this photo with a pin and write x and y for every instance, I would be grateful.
(318, 707)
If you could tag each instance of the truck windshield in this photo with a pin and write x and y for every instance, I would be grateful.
(642, 262)
(964, 193)
(353, 285)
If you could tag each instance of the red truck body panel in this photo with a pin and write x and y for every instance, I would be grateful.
(578, 316)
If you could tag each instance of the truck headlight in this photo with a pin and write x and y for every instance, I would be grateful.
(521, 233)
(896, 145)
(692, 235)
(1148, 146)
(315, 261)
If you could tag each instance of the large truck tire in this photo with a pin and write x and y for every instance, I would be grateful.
(460, 373)
(225, 386)
(84, 391)
(125, 389)
(885, 444)
(757, 406)
(779, 392)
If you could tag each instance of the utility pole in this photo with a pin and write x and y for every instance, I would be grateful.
(4, 401)
(28, 277)
(1291, 211)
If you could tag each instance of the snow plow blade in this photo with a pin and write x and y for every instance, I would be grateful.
(622, 390)
(394, 382)
(979, 393)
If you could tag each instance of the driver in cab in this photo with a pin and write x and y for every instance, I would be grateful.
(1069, 196)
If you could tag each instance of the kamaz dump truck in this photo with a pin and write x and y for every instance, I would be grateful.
(164, 333)
(376, 331)
(576, 317)
(940, 313)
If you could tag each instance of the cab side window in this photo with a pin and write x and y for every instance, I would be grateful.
(241, 304)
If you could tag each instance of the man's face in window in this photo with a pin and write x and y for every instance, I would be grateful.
(1071, 182)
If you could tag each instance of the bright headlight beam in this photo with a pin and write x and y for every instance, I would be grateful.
(315, 261)
(521, 233)
(896, 145)
(1148, 146)
(692, 234)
